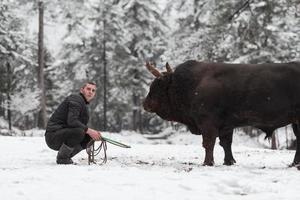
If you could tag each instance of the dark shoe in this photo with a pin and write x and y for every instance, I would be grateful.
(64, 161)
(64, 155)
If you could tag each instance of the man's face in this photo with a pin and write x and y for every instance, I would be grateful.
(88, 91)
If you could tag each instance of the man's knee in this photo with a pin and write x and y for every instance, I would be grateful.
(78, 133)
(69, 136)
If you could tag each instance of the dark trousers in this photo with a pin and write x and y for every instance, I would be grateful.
(69, 136)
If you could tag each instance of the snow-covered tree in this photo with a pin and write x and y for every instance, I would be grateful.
(120, 35)
(145, 31)
(16, 64)
(262, 31)
(267, 31)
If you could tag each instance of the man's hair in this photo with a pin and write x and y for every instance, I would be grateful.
(88, 82)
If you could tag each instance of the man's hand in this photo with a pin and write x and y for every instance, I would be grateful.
(95, 135)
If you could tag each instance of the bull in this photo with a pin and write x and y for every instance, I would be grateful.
(212, 99)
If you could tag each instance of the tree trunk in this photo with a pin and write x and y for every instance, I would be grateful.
(41, 83)
(1, 105)
(274, 141)
(119, 123)
(135, 116)
(9, 73)
(136, 122)
(104, 76)
(140, 118)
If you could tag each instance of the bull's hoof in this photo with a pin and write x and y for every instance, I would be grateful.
(211, 163)
(229, 162)
(295, 164)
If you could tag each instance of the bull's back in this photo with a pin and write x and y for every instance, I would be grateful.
(264, 95)
(248, 94)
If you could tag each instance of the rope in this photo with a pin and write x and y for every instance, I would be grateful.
(92, 152)
(119, 144)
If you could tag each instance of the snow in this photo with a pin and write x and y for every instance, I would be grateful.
(151, 169)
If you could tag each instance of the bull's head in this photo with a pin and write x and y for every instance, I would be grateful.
(158, 100)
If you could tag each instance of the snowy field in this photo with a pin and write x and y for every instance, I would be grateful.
(151, 169)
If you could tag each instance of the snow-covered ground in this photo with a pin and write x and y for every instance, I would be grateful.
(151, 169)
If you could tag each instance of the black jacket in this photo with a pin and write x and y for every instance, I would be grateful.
(71, 113)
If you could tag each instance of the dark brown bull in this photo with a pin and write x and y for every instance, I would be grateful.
(214, 98)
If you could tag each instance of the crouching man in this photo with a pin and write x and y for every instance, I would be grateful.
(67, 131)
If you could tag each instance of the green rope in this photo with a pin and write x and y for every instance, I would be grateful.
(119, 144)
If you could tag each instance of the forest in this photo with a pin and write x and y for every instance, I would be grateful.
(109, 41)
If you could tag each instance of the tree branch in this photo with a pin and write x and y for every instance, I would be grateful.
(243, 7)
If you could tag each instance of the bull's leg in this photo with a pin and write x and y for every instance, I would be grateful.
(296, 129)
(209, 140)
(225, 137)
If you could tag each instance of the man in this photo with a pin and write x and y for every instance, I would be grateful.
(67, 131)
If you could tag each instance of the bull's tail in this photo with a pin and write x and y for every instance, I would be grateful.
(269, 133)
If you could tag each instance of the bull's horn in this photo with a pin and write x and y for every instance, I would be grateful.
(153, 70)
(169, 68)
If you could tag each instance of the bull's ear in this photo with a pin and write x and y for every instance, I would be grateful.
(153, 70)
(169, 68)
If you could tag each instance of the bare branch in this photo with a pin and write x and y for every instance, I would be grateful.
(243, 7)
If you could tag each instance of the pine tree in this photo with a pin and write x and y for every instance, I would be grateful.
(91, 53)
(122, 45)
(15, 56)
(145, 41)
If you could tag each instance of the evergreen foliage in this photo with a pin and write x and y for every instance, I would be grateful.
(121, 35)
